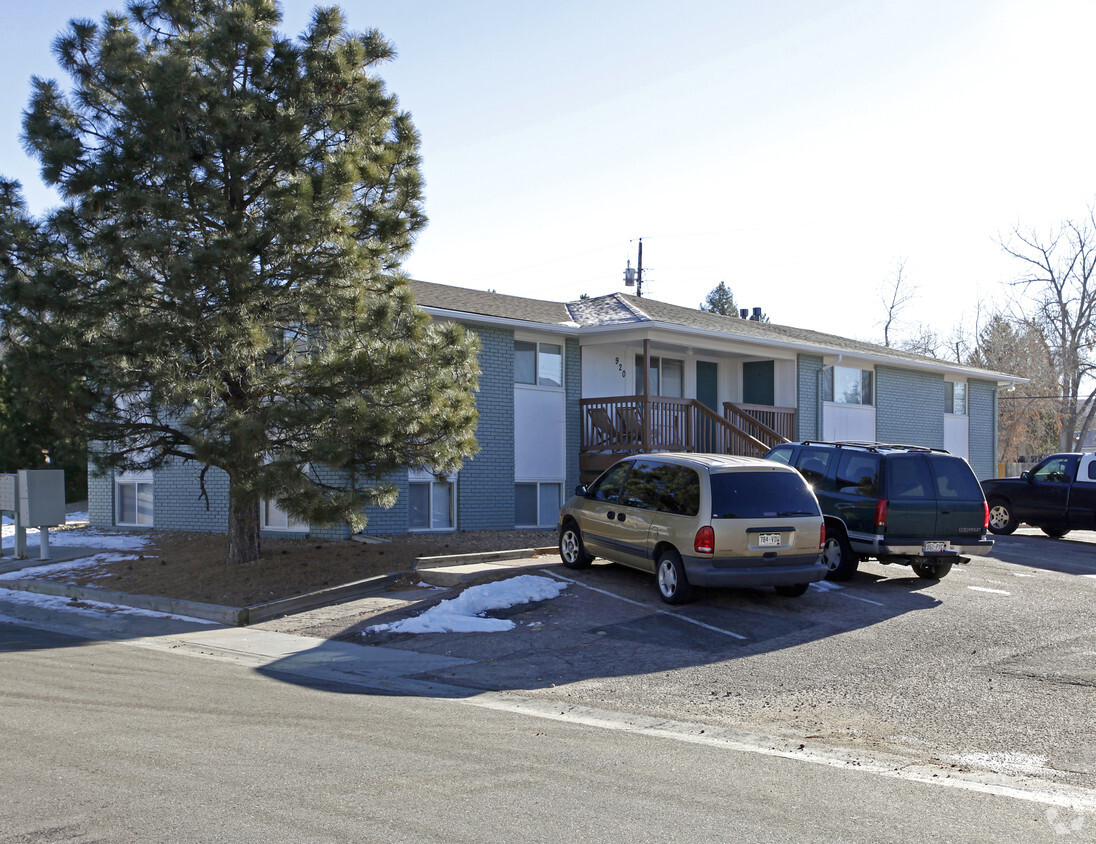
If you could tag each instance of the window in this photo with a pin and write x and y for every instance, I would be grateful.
(432, 501)
(761, 495)
(908, 477)
(858, 474)
(955, 398)
(813, 464)
(133, 499)
(667, 377)
(538, 363)
(607, 487)
(1056, 470)
(536, 504)
(275, 518)
(955, 479)
(844, 385)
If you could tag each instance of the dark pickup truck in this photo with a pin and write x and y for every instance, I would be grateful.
(1057, 496)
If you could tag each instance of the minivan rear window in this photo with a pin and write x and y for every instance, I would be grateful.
(761, 495)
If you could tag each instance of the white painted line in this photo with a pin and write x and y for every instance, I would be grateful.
(1018, 574)
(865, 600)
(1016, 787)
(646, 606)
(984, 589)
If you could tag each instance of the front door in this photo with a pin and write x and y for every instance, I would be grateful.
(758, 383)
(707, 393)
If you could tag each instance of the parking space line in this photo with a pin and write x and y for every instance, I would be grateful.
(865, 600)
(646, 606)
(984, 589)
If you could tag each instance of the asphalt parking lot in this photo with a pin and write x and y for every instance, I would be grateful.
(990, 668)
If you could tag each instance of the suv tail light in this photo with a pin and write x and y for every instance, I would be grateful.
(822, 536)
(985, 524)
(881, 513)
(705, 540)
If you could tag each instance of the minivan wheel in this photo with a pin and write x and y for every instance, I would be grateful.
(1001, 519)
(931, 571)
(571, 550)
(673, 585)
(838, 556)
(793, 590)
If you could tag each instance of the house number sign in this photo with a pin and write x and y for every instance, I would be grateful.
(620, 366)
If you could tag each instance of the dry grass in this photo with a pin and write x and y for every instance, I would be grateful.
(191, 566)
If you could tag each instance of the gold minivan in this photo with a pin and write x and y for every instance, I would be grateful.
(698, 520)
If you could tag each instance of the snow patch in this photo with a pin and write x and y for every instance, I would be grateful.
(84, 607)
(465, 613)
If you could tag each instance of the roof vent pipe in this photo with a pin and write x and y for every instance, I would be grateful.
(756, 315)
(744, 313)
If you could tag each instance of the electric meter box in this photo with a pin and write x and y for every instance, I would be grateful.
(41, 497)
(7, 493)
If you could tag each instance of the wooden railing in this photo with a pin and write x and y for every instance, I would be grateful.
(770, 425)
(616, 426)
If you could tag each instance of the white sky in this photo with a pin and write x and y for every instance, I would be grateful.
(795, 150)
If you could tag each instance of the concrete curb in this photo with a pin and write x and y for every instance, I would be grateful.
(480, 557)
(233, 616)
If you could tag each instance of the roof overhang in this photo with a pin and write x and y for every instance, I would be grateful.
(573, 330)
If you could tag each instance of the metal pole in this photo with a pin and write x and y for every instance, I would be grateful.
(43, 543)
(639, 270)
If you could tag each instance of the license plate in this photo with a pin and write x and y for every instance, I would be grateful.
(934, 545)
(766, 540)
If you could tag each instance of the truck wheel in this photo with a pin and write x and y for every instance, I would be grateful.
(1001, 519)
(838, 555)
(931, 571)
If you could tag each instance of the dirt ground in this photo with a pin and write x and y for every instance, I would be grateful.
(191, 566)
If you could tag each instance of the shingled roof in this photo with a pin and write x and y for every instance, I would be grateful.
(618, 309)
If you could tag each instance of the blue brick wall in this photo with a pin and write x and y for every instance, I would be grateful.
(808, 415)
(909, 407)
(486, 493)
(100, 498)
(178, 503)
(982, 430)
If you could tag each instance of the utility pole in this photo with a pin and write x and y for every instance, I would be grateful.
(635, 277)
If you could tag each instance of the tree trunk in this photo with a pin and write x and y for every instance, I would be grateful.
(243, 529)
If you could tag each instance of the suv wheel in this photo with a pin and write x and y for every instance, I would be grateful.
(571, 550)
(673, 585)
(931, 571)
(1001, 519)
(1055, 532)
(838, 556)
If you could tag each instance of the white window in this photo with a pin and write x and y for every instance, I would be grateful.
(133, 498)
(538, 363)
(275, 518)
(432, 501)
(955, 398)
(845, 385)
(667, 377)
(537, 504)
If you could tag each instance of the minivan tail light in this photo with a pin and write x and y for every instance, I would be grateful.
(881, 513)
(822, 536)
(705, 540)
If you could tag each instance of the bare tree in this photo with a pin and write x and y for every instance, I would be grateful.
(1059, 287)
(895, 296)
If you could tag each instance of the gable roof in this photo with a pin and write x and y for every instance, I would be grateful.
(617, 311)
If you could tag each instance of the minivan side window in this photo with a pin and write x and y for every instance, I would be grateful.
(858, 474)
(677, 489)
(639, 490)
(607, 487)
(908, 477)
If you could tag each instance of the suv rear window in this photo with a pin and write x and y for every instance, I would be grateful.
(761, 495)
(955, 479)
(908, 477)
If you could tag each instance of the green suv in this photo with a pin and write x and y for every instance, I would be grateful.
(901, 504)
(698, 520)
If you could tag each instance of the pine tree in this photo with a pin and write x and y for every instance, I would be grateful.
(225, 266)
(720, 301)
